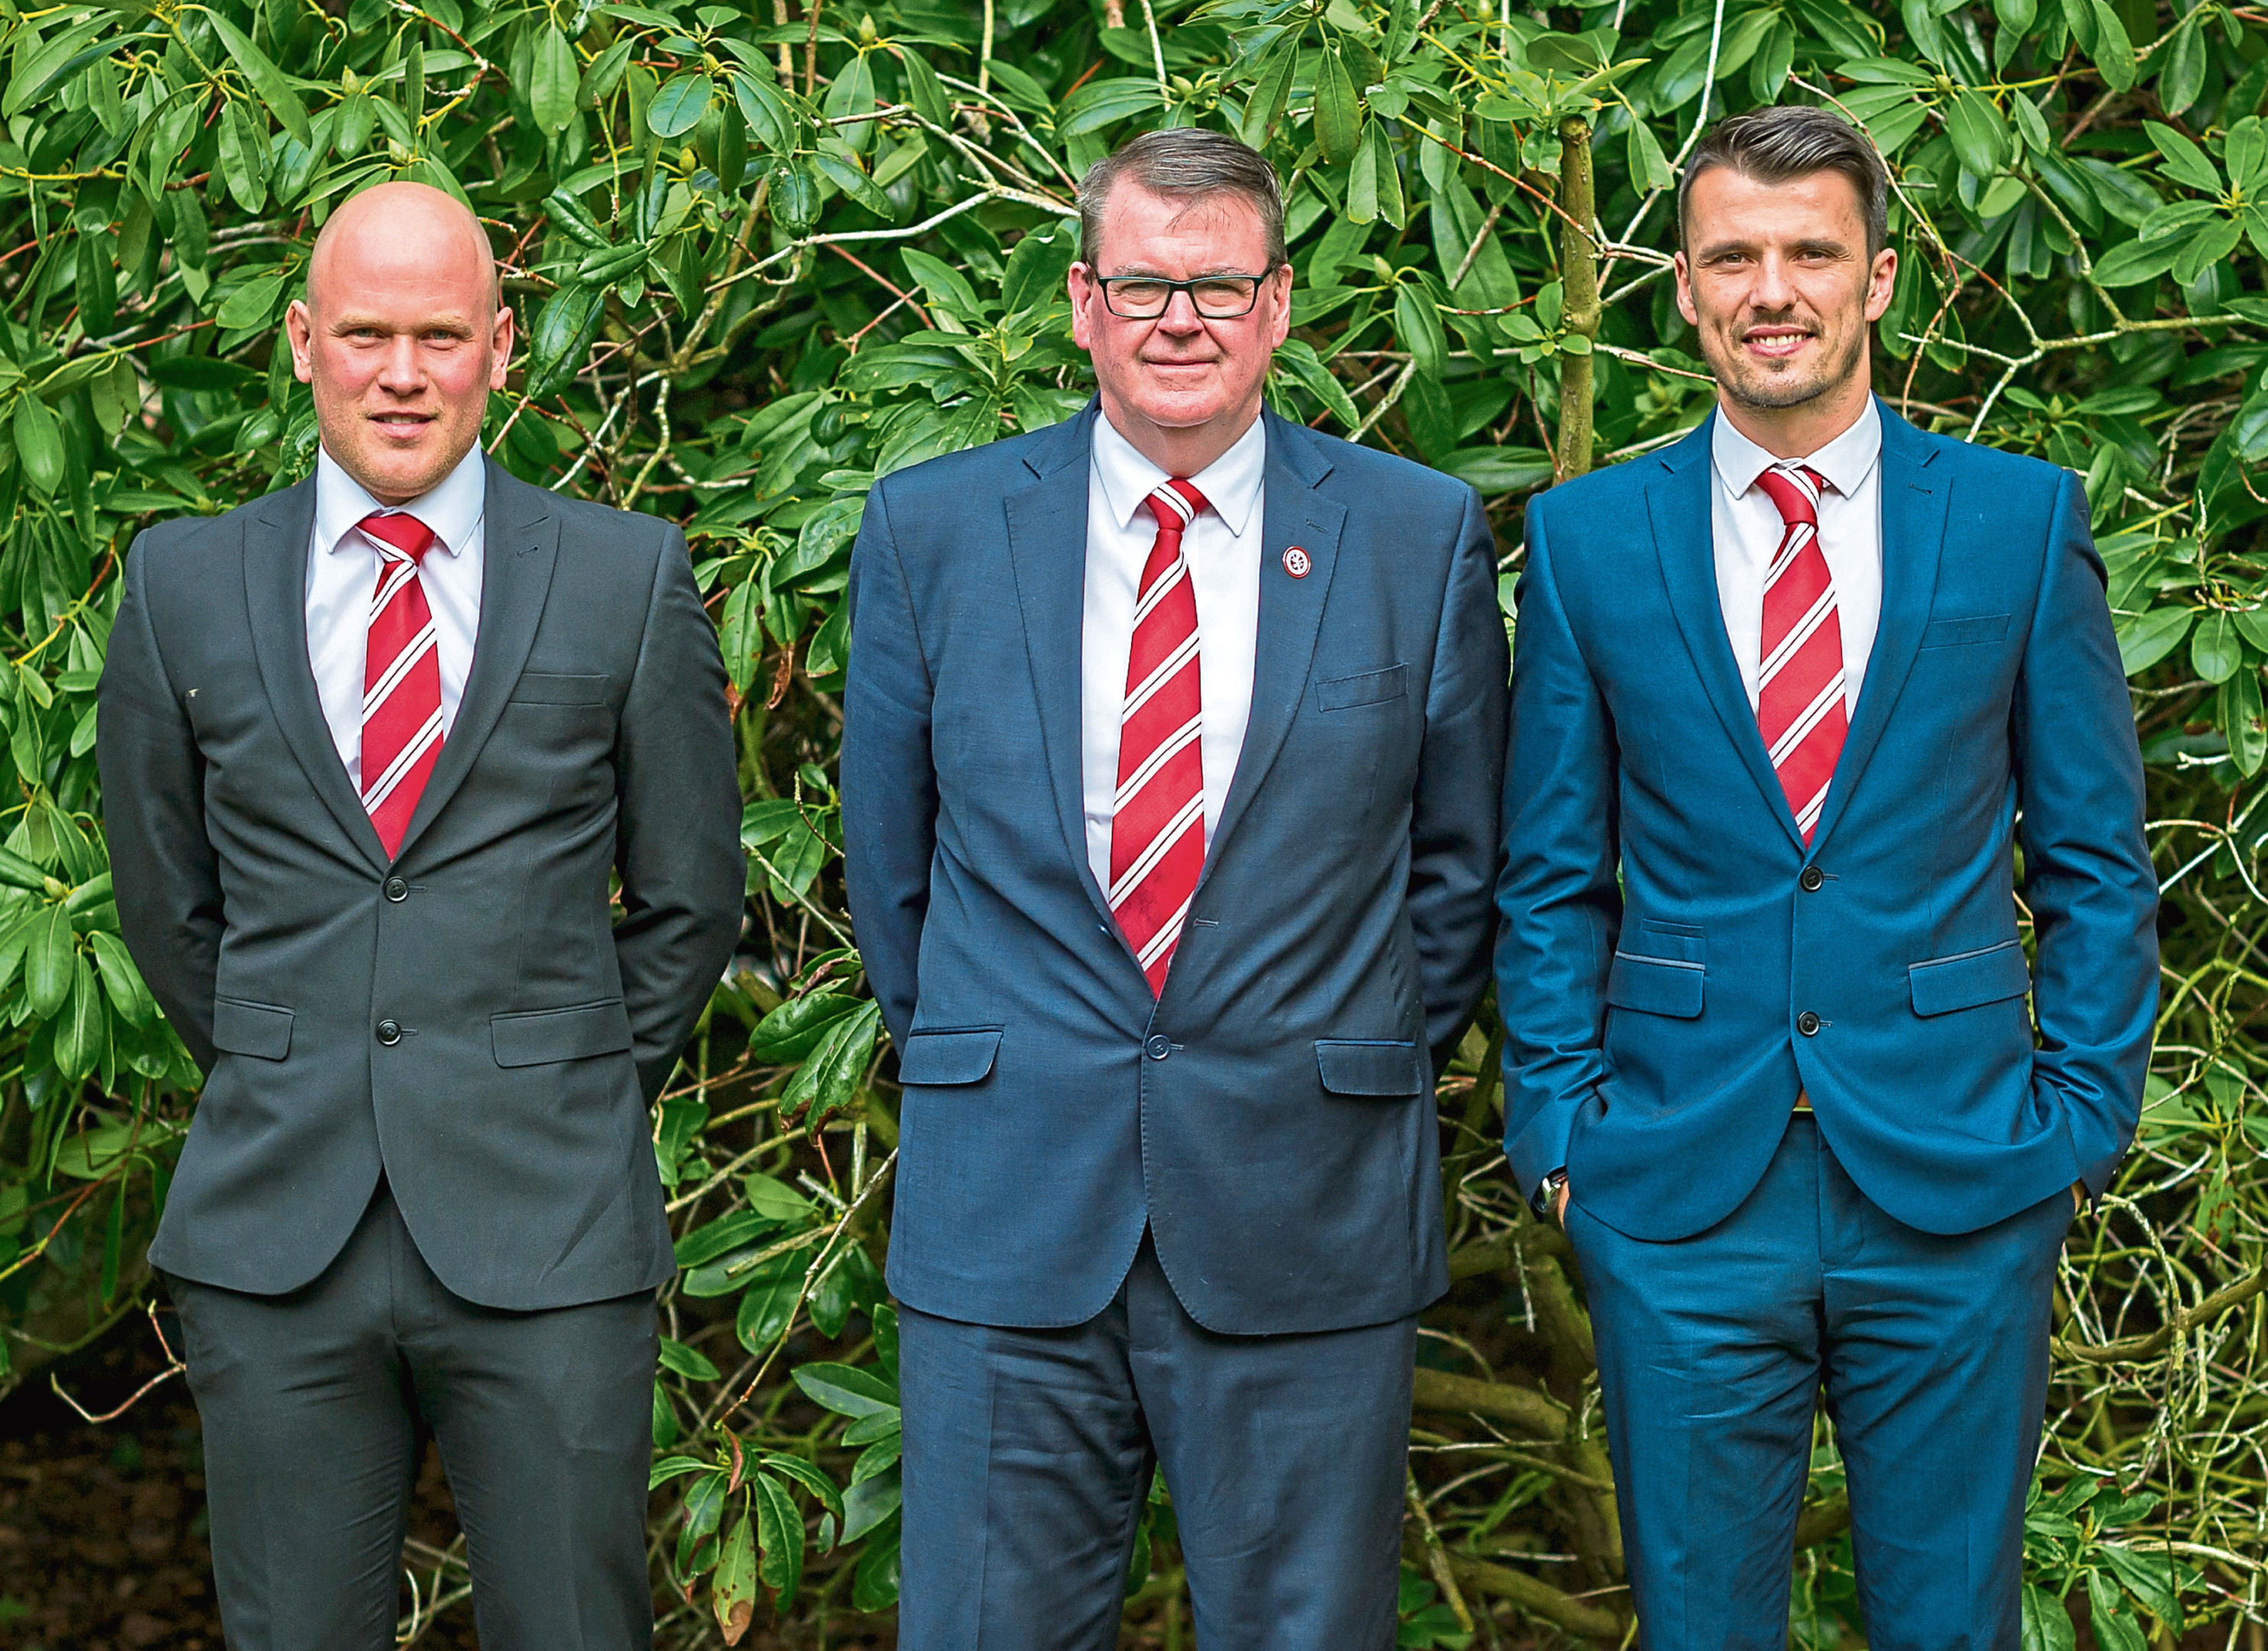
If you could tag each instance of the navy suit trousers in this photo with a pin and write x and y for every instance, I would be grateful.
(1028, 1456)
(1932, 1352)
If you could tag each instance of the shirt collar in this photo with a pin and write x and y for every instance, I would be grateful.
(1844, 461)
(451, 509)
(1230, 483)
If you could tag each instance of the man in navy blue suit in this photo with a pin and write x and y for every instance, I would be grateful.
(1171, 753)
(1789, 699)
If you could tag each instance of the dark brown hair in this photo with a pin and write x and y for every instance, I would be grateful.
(1789, 140)
(1183, 163)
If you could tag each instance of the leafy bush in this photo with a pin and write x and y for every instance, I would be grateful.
(765, 254)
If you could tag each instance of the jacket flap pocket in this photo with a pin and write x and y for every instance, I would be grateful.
(1370, 1068)
(949, 1057)
(1943, 985)
(1345, 693)
(542, 1036)
(550, 688)
(1655, 985)
(1951, 633)
(258, 1029)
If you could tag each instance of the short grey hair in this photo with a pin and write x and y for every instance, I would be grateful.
(1791, 141)
(1184, 163)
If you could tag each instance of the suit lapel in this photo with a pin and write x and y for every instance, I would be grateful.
(1291, 610)
(1047, 549)
(1914, 500)
(1678, 506)
(275, 544)
(520, 533)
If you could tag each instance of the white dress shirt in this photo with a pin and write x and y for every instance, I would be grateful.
(1222, 548)
(342, 575)
(1747, 529)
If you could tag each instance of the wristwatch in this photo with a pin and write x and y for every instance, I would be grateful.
(1547, 1193)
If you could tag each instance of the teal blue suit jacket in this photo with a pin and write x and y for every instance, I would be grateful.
(1670, 976)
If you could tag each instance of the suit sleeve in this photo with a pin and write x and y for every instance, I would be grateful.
(1455, 844)
(165, 874)
(1559, 904)
(889, 781)
(2088, 879)
(677, 833)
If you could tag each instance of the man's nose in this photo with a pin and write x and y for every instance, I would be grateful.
(1181, 318)
(1771, 288)
(401, 372)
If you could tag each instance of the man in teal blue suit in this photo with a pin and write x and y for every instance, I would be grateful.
(1788, 699)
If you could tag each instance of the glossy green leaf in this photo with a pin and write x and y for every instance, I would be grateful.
(2185, 160)
(2144, 640)
(1271, 90)
(121, 981)
(2113, 50)
(557, 76)
(846, 176)
(677, 107)
(1418, 323)
(39, 443)
(1980, 135)
(1338, 119)
(846, 1390)
(733, 1592)
(1374, 185)
(780, 1536)
(2133, 262)
(2215, 651)
(768, 1306)
(265, 78)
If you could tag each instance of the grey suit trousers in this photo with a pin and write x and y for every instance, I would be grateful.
(1028, 1456)
(315, 1405)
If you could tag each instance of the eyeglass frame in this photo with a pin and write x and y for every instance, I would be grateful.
(1188, 287)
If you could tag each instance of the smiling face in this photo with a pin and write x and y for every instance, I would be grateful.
(1777, 279)
(1182, 388)
(401, 338)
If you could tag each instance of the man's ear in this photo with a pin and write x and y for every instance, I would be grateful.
(1881, 281)
(1281, 282)
(299, 328)
(1079, 282)
(501, 340)
(1685, 277)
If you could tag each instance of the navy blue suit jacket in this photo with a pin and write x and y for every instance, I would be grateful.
(1269, 1117)
(1659, 1021)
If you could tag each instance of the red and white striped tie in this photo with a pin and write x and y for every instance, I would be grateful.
(1799, 694)
(400, 680)
(1157, 822)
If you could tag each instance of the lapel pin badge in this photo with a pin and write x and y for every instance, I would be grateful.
(1296, 562)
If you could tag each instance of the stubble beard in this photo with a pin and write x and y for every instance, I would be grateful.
(1774, 386)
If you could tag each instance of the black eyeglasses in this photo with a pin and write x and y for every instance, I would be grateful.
(1221, 297)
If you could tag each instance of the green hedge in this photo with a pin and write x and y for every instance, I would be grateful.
(767, 251)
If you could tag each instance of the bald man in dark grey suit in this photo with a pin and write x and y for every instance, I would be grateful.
(371, 749)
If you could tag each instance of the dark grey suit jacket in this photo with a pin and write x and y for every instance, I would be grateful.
(473, 1019)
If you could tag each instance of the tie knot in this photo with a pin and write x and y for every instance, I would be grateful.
(399, 532)
(1795, 488)
(1176, 505)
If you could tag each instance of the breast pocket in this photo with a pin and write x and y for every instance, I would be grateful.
(552, 688)
(1368, 688)
(1957, 633)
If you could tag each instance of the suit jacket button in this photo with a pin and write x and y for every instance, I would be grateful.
(397, 890)
(1158, 1048)
(389, 1033)
(1812, 879)
(1808, 1023)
